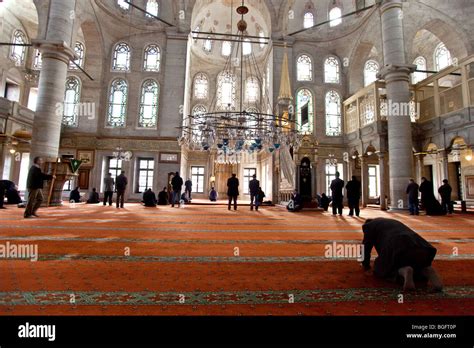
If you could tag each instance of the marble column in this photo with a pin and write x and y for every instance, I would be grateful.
(382, 179)
(56, 53)
(419, 167)
(396, 73)
(364, 173)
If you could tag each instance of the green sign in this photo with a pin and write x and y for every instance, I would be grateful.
(75, 164)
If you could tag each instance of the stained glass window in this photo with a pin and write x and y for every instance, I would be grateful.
(201, 86)
(420, 63)
(18, 53)
(121, 57)
(304, 68)
(304, 110)
(149, 104)
(152, 8)
(335, 16)
(79, 51)
(333, 113)
(371, 70)
(252, 90)
(331, 70)
(442, 57)
(226, 84)
(308, 20)
(152, 58)
(117, 108)
(72, 96)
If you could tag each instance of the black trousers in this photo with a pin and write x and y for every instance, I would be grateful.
(108, 197)
(254, 198)
(2, 196)
(337, 206)
(234, 198)
(354, 205)
(447, 206)
(120, 198)
(188, 191)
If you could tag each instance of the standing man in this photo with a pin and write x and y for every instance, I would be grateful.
(337, 186)
(413, 203)
(445, 191)
(188, 187)
(121, 186)
(109, 184)
(35, 184)
(353, 188)
(254, 186)
(176, 184)
(233, 190)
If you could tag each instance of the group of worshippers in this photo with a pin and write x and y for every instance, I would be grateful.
(256, 193)
(428, 199)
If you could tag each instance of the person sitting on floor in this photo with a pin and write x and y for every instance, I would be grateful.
(93, 197)
(213, 195)
(325, 201)
(75, 196)
(401, 252)
(149, 198)
(295, 203)
(184, 198)
(163, 197)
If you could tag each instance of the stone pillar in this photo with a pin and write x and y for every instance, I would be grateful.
(382, 171)
(443, 162)
(56, 53)
(397, 76)
(364, 173)
(419, 167)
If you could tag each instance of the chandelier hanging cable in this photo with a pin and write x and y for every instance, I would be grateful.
(238, 124)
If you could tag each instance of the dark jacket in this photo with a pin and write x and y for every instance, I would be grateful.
(337, 185)
(109, 184)
(177, 183)
(445, 191)
(426, 189)
(93, 198)
(75, 196)
(325, 200)
(233, 187)
(121, 182)
(412, 191)
(36, 178)
(163, 198)
(149, 198)
(188, 184)
(353, 188)
(254, 185)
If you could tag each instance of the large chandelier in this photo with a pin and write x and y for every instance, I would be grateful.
(236, 126)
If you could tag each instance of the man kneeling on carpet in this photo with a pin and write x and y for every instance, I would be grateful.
(401, 253)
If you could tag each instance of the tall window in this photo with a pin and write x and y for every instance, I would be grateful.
(152, 8)
(197, 178)
(308, 20)
(304, 68)
(121, 60)
(207, 45)
(226, 48)
(335, 16)
(79, 51)
(304, 110)
(18, 53)
(333, 114)
(252, 90)
(152, 58)
(420, 63)
(248, 175)
(442, 57)
(331, 70)
(117, 110)
(198, 119)
(201, 86)
(123, 5)
(114, 167)
(37, 60)
(373, 181)
(71, 99)
(331, 170)
(262, 39)
(246, 47)
(148, 113)
(146, 168)
(226, 84)
(371, 70)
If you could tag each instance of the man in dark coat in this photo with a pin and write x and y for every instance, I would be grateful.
(337, 185)
(429, 201)
(163, 197)
(93, 197)
(13, 195)
(75, 196)
(233, 190)
(401, 251)
(149, 198)
(325, 200)
(254, 185)
(177, 185)
(353, 188)
(109, 184)
(35, 184)
(2, 194)
(413, 203)
(121, 185)
(445, 191)
(188, 188)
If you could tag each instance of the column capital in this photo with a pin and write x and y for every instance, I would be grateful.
(397, 72)
(390, 4)
(55, 50)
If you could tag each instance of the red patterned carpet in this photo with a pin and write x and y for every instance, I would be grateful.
(96, 260)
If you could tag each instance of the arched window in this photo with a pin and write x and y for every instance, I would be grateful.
(79, 51)
(198, 120)
(252, 90)
(308, 20)
(304, 68)
(226, 48)
(152, 8)
(331, 70)
(207, 45)
(152, 58)
(148, 111)
(117, 109)
(246, 47)
(226, 84)
(121, 57)
(420, 63)
(371, 70)
(304, 110)
(333, 114)
(18, 53)
(72, 95)
(335, 16)
(123, 5)
(37, 60)
(201, 86)
(442, 57)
